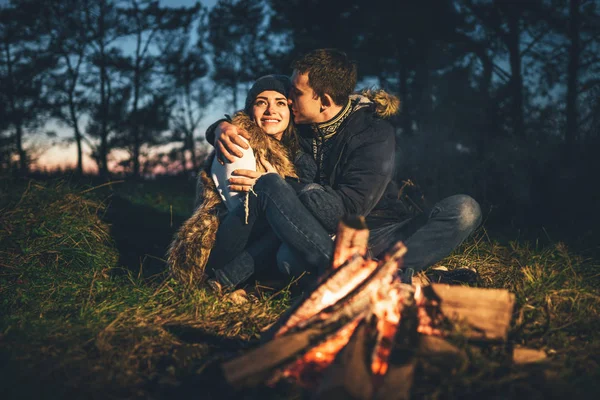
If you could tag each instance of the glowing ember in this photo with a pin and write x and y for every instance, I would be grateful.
(387, 307)
(319, 357)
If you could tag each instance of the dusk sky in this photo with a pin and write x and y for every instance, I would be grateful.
(64, 155)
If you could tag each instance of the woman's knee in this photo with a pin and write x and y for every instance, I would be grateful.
(270, 181)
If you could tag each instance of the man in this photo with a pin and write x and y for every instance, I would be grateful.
(354, 153)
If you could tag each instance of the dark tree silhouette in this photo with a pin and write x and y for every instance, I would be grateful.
(239, 44)
(187, 67)
(24, 66)
(145, 20)
(105, 25)
(64, 22)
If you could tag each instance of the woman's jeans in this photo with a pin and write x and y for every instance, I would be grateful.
(273, 205)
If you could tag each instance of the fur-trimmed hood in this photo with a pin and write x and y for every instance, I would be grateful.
(386, 104)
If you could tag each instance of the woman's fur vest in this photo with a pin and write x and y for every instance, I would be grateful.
(190, 249)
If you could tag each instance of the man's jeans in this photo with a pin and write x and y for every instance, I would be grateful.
(431, 237)
(273, 205)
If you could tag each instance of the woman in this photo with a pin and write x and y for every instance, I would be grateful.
(199, 244)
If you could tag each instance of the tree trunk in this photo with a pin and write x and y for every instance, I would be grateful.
(78, 136)
(572, 92)
(79, 151)
(103, 153)
(183, 160)
(15, 112)
(486, 125)
(20, 150)
(134, 120)
(234, 96)
(190, 132)
(406, 120)
(516, 82)
(193, 152)
(403, 91)
(422, 86)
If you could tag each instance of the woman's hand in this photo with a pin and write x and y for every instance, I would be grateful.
(244, 178)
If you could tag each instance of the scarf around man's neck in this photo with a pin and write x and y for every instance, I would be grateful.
(321, 145)
(327, 129)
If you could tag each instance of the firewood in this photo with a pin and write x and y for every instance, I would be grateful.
(266, 362)
(352, 238)
(433, 346)
(349, 377)
(358, 300)
(332, 287)
(479, 314)
(346, 330)
(256, 366)
(524, 355)
(337, 287)
(397, 382)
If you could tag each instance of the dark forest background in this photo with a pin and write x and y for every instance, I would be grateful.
(500, 99)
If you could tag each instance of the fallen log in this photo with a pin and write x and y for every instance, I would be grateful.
(478, 314)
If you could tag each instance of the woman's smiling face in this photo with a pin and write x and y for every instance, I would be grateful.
(271, 112)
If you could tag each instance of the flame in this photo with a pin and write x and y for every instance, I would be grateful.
(387, 307)
(320, 300)
(384, 295)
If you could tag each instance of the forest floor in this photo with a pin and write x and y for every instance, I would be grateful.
(87, 309)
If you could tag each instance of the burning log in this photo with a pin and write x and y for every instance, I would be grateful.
(352, 238)
(358, 332)
(324, 321)
(349, 377)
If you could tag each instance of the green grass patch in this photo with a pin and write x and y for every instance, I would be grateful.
(73, 326)
(78, 321)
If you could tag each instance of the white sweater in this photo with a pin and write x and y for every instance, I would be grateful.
(222, 173)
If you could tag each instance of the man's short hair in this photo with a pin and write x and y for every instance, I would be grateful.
(329, 71)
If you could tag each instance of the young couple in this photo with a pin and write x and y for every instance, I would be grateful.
(286, 184)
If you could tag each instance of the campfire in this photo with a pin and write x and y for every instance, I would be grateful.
(356, 334)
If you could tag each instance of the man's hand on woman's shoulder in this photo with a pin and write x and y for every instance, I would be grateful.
(228, 140)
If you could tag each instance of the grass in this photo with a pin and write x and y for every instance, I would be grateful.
(88, 311)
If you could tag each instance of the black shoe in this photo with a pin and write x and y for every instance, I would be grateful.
(455, 276)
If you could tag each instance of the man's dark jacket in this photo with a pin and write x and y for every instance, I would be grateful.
(359, 167)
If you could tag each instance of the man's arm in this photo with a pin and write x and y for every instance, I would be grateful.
(226, 137)
(366, 174)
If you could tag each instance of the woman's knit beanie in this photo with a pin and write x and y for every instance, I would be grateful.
(277, 83)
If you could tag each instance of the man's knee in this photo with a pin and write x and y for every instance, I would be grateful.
(469, 212)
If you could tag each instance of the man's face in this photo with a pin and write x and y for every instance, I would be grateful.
(306, 106)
